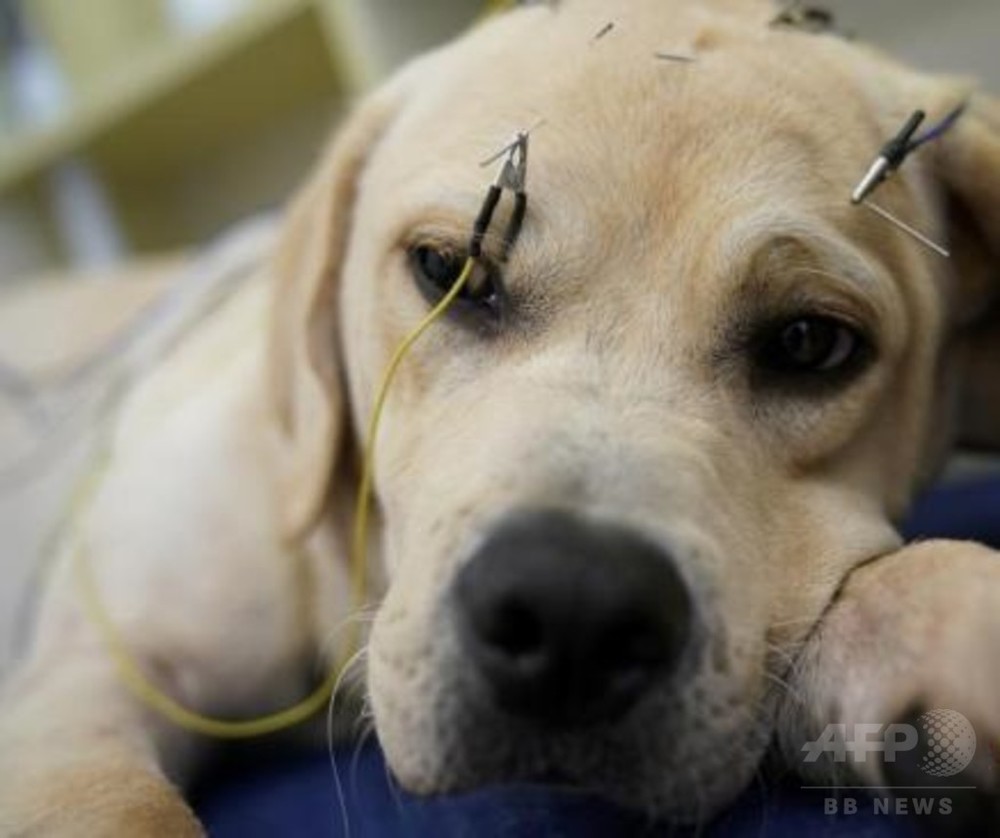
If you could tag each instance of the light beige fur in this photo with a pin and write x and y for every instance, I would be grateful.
(671, 205)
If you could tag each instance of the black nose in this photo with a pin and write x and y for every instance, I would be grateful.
(570, 621)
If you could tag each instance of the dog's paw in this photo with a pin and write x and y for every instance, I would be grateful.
(899, 688)
(88, 801)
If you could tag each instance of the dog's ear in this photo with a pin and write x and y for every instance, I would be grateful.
(306, 388)
(968, 165)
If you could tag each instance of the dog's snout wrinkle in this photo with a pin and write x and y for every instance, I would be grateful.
(568, 621)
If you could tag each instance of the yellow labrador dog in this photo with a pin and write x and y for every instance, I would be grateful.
(636, 492)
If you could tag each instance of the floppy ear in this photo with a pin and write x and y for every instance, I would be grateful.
(968, 161)
(306, 390)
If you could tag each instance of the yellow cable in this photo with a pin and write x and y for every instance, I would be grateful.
(156, 699)
(359, 542)
(128, 669)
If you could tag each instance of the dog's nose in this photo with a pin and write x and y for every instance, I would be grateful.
(570, 621)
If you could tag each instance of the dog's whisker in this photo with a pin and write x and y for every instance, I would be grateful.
(352, 675)
(365, 716)
(363, 616)
(394, 789)
(329, 648)
(758, 780)
(792, 660)
(786, 689)
(345, 820)
(367, 733)
(784, 655)
(805, 619)
(360, 725)
(338, 786)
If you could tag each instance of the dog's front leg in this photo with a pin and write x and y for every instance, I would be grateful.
(216, 621)
(912, 640)
(78, 757)
(79, 754)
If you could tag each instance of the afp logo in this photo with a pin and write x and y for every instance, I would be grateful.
(947, 746)
(951, 743)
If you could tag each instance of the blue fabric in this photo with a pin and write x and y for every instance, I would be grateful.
(298, 795)
(969, 510)
(300, 798)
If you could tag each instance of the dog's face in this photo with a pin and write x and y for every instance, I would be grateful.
(620, 482)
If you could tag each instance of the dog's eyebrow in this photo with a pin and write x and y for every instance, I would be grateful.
(750, 237)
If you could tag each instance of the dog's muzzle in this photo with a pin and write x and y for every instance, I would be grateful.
(568, 621)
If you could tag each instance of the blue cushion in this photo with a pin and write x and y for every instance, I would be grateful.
(966, 510)
(298, 795)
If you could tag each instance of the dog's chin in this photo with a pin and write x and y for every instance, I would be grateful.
(679, 794)
(675, 760)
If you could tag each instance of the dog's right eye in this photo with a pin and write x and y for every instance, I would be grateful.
(436, 271)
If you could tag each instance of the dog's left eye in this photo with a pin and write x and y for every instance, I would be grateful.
(810, 345)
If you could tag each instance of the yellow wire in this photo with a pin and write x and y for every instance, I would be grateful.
(156, 699)
(128, 669)
(359, 542)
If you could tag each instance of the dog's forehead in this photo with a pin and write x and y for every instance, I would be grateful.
(759, 120)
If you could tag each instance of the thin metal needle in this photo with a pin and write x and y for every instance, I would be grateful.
(605, 30)
(670, 56)
(906, 228)
(507, 148)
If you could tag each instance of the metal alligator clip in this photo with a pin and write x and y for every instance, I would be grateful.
(512, 177)
(890, 158)
(813, 19)
(893, 154)
(899, 148)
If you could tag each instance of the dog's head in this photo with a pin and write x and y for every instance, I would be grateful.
(619, 483)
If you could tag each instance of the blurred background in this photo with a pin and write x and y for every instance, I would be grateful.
(139, 126)
(143, 126)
